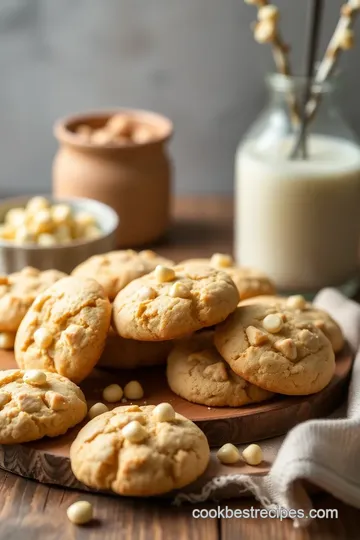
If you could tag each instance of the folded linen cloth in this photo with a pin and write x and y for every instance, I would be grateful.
(325, 452)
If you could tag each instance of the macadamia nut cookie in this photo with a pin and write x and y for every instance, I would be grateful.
(197, 372)
(35, 404)
(137, 451)
(116, 269)
(173, 302)
(121, 353)
(249, 281)
(306, 313)
(272, 348)
(65, 329)
(18, 291)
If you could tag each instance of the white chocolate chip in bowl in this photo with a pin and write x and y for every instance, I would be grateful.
(273, 323)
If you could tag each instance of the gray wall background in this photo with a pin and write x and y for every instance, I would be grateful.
(193, 60)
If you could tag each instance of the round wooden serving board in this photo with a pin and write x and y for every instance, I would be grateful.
(48, 460)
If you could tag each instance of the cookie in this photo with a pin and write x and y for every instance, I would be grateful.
(249, 281)
(272, 348)
(120, 353)
(65, 329)
(116, 269)
(172, 303)
(18, 291)
(306, 312)
(167, 455)
(47, 405)
(197, 372)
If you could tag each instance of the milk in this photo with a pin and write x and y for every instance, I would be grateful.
(299, 220)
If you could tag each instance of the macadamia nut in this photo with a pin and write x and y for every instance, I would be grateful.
(133, 390)
(97, 409)
(80, 512)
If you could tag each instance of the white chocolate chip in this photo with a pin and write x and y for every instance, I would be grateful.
(287, 347)
(133, 390)
(37, 203)
(91, 232)
(112, 393)
(146, 293)
(273, 323)
(42, 221)
(296, 302)
(164, 412)
(253, 454)
(80, 512)
(256, 336)
(46, 239)
(43, 338)
(164, 274)
(228, 454)
(61, 213)
(268, 12)
(84, 219)
(15, 217)
(180, 290)
(24, 236)
(220, 260)
(35, 377)
(134, 432)
(7, 340)
(97, 409)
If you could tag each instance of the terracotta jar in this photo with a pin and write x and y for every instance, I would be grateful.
(133, 178)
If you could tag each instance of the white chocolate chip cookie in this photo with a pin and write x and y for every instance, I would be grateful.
(129, 451)
(148, 309)
(116, 269)
(65, 329)
(272, 348)
(18, 291)
(120, 353)
(249, 281)
(306, 313)
(32, 407)
(197, 372)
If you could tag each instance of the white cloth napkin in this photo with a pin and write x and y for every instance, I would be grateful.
(325, 452)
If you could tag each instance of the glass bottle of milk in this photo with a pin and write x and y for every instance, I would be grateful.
(299, 219)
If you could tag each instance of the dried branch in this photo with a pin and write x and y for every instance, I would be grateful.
(342, 40)
(266, 30)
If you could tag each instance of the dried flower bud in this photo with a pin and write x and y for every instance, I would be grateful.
(346, 39)
(268, 13)
(264, 31)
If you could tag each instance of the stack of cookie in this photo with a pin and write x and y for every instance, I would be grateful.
(268, 345)
(114, 271)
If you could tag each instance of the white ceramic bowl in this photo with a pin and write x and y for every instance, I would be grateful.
(63, 256)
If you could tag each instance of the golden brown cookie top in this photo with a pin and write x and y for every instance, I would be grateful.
(197, 372)
(36, 403)
(65, 329)
(173, 302)
(129, 452)
(249, 281)
(274, 349)
(18, 291)
(114, 270)
(306, 313)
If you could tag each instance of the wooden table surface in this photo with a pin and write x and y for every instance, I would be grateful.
(31, 511)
